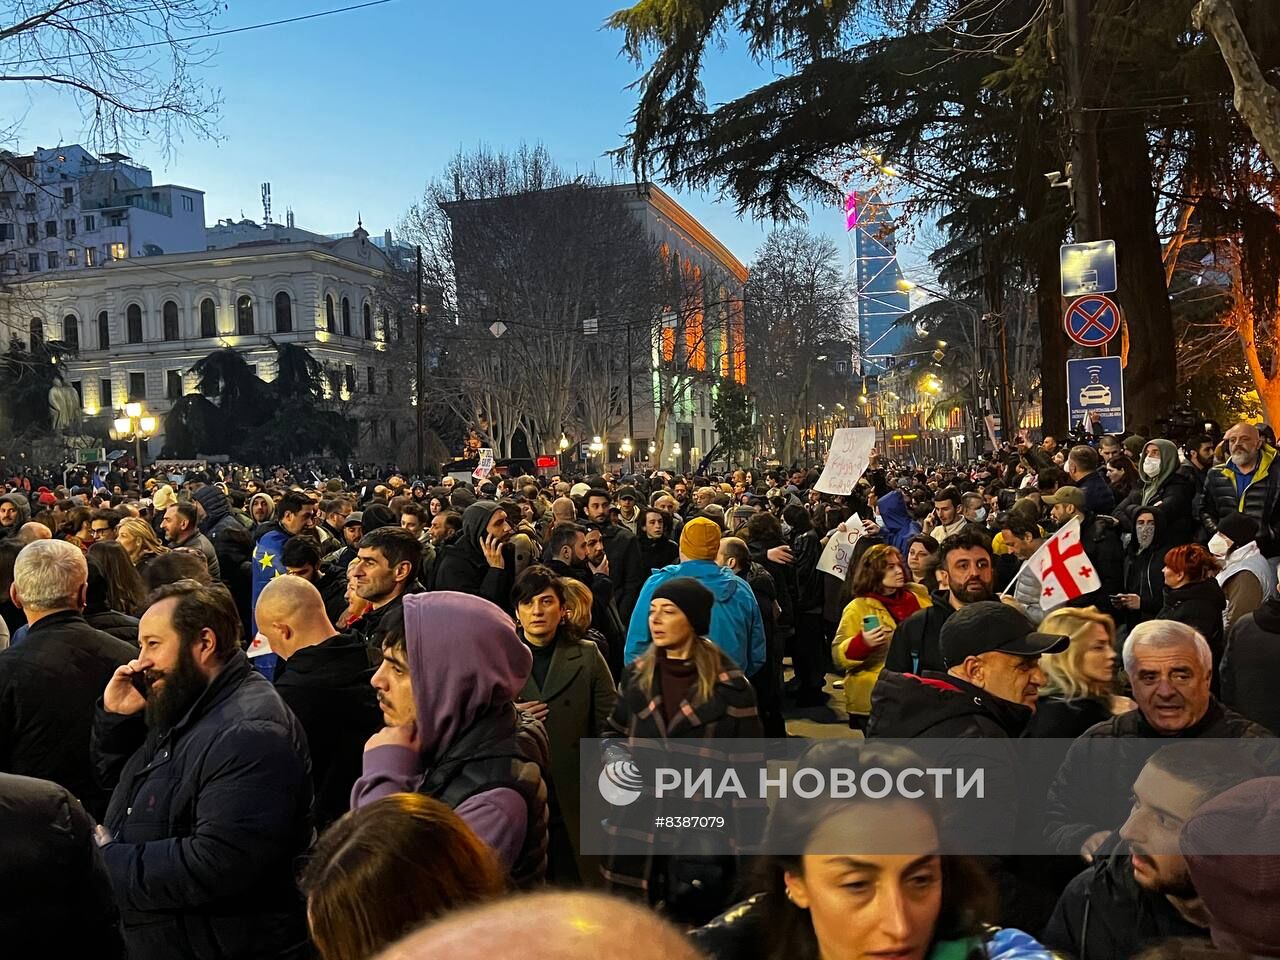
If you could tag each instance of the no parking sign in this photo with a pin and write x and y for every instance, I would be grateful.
(1092, 321)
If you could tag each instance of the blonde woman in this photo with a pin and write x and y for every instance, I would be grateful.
(1082, 679)
(357, 606)
(140, 541)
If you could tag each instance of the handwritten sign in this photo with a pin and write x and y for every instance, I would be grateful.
(838, 553)
(847, 460)
(486, 464)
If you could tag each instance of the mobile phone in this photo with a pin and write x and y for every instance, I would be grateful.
(139, 681)
(870, 622)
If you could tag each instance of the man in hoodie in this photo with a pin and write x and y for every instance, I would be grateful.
(217, 516)
(736, 625)
(296, 515)
(261, 509)
(452, 668)
(479, 562)
(324, 677)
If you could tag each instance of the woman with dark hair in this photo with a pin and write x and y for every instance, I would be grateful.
(850, 879)
(682, 687)
(115, 595)
(921, 550)
(1193, 595)
(1123, 476)
(808, 657)
(389, 867)
(657, 549)
(571, 691)
(881, 598)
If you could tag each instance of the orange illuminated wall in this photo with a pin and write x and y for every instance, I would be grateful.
(695, 339)
(737, 345)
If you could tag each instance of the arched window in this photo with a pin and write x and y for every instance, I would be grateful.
(368, 322)
(37, 332)
(71, 331)
(104, 331)
(170, 314)
(284, 313)
(244, 316)
(133, 323)
(346, 317)
(208, 318)
(328, 314)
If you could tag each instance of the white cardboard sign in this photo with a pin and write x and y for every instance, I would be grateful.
(838, 553)
(847, 460)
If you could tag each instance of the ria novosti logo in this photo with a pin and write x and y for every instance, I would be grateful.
(620, 783)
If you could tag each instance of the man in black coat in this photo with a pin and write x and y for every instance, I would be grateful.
(1142, 893)
(57, 900)
(1250, 664)
(386, 570)
(1100, 537)
(1170, 667)
(324, 678)
(49, 683)
(966, 572)
(626, 568)
(212, 799)
(479, 561)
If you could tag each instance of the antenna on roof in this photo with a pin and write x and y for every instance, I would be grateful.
(288, 217)
(266, 203)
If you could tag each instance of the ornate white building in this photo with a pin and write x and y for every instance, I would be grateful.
(141, 323)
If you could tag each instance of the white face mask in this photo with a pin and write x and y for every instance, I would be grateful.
(1219, 545)
(1151, 467)
(980, 514)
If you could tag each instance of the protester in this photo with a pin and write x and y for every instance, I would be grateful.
(881, 599)
(115, 594)
(657, 549)
(920, 549)
(809, 652)
(1123, 476)
(451, 671)
(1143, 571)
(182, 529)
(140, 541)
(383, 574)
(386, 869)
(1247, 578)
(1166, 489)
(569, 690)
(1142, 893)
(1244, 484)
(50, 681)
(966, 568)
(1193, 595)
(1169, 666)
(682, 686)
(480, 562)
(57, 899)
(626, 568)
(1084, 469)
(1100, 537)
(212, 799)
(1082, 678)
(736, 626)
(324, 678)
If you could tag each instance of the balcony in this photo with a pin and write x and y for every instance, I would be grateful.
(131, 198)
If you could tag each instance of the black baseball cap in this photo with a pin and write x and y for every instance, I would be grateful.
(988, 626)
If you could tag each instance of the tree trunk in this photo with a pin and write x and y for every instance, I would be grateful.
(1129, 218)
(660, 431)
(1257, 101)
(1268, 385)
(1053, 346)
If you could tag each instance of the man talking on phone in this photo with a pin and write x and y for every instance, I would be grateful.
(212, 789)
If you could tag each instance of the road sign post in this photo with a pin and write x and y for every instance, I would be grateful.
(1092, 321)
(1087, 268)
(1096, 385)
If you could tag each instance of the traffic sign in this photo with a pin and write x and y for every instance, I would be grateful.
(1087, 268)
(1092, 321)
(1096, 385)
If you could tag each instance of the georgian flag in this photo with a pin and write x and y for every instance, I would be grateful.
(1065, 571)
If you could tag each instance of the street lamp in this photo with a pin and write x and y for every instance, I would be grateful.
(597, 447)
(624, 450)
(675, 452)
(562, 446)
(136, 427)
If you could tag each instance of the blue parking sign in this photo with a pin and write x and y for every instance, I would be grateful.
(1096, 385)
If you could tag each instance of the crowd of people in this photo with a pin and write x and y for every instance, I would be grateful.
(276, 714)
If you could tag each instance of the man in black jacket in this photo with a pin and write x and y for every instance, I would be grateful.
(1100, 537)
(212, 798)
(1142, 893)
(566, 553)
(479, 561)
(965, 571)
(993, 679)
(385, 571)
(626, 569)
(1170, 666)
(49, 682)
(324, 678)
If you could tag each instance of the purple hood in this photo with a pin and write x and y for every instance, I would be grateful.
(464, 658)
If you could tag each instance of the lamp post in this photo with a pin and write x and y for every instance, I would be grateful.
(675, 452)
(561, 447)
(625, 449)
(597, 449)
(135, 426)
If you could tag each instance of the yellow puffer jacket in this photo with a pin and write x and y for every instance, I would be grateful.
(861, 675)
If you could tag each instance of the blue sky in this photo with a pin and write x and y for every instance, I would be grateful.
(355, 112)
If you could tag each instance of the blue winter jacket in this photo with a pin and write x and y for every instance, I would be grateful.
(736, 625)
